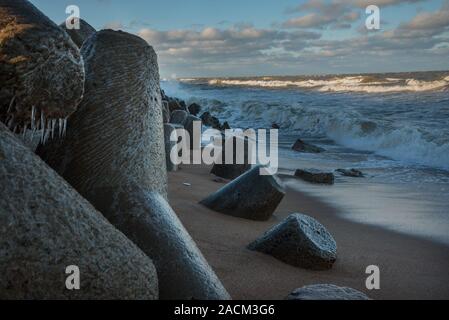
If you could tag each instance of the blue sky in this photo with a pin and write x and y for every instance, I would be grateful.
(276, 37)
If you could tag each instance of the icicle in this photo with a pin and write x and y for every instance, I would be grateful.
(11, 103)
(42, 124)
(33, 115)
(65, 127)
(53, 125)
(61, 123)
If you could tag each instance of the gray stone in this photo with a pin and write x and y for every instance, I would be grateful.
(46, 226)
(315, 176)
(114, 155)
(327, 292)
(354, 173)
(302, 146)
(300, 241)
(250, 196)
(40, 66)
(179, 117)
(79, 35)
(148, 220)
(234, 169)
(175, 104)
(194, 109)
(117, 134)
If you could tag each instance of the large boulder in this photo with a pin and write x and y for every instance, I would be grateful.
(41, 69)
(148, 220)
(117, 134)
(315, 176)
(210, 121)
(302, 146)
(235, 169)
(251, 196)
(300, 241)
(176, 104)
(114, 155)
(326, 292)
(79, 35)
(46, 226)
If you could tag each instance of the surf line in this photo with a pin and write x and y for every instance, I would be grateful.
(241, 147)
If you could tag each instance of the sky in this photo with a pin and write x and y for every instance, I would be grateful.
(217, 38)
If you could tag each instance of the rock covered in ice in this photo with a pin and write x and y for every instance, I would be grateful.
(326, 292)
(79, 35)
(40, 67)
(251, 196)
(117, 133)
(46, 226)
(300, 241)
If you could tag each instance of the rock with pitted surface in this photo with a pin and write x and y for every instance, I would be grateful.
(46, 226)
(117, 134)
(327, 292)
(79, 35)
(251, 196)
(239, 163)
(41, 69)
(114, 155)
(194, 109)
(149, 221)
(302, 146)
(179, 117)
(300, 241)
(315, 176)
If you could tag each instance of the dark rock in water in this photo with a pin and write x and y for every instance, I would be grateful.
(175, 104)
(275, 126)
(300, 241)
(114, 155)
(195, 141)
(302, 146)
(236, 168)
(225, 126)
(210, 121)
(179, 117)
(194, 109)
(315, 176)
(117, 133)
(148, 220)
(169, 145)
(326, 292)
(250, 196)
(79, 35)
(46, 226)
(40, 67)
(351, 173)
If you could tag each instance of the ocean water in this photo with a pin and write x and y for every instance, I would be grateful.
(393, 127)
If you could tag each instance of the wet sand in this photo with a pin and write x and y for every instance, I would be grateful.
(411, 268)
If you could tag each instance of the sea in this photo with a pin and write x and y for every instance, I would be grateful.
(394, 127)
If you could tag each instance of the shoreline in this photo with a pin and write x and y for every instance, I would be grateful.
(410, 267)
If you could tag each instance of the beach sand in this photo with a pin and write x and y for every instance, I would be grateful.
(411, 268)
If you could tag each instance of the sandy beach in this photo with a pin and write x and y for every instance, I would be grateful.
(411, 268)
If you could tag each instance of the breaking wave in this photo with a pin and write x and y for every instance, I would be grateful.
(361, 83)
(348, 128)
